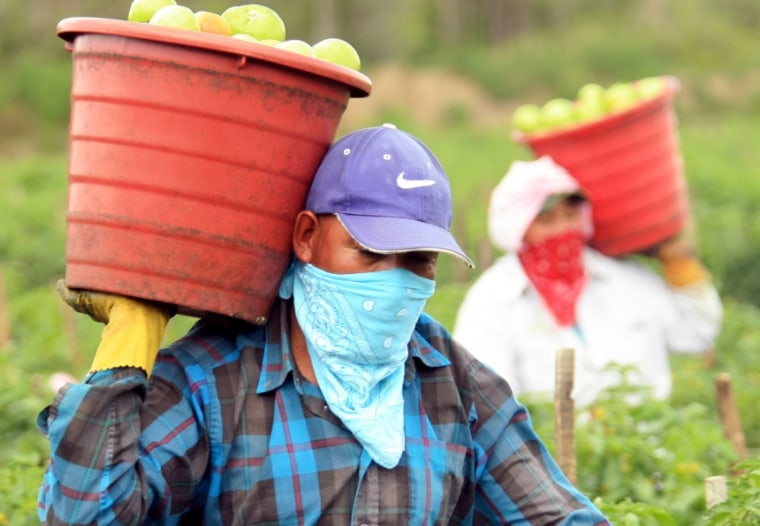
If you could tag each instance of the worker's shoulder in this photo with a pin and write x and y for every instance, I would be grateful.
(213, 340)
(437, 348)
(628, 266)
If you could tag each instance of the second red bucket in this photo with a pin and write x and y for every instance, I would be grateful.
(190, 155)
(630, 165)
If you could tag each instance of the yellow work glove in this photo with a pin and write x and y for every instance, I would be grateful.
(134, 328)
(681, 266)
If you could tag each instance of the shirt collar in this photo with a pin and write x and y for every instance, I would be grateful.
(599, 266)
(277, 362)
(421, 348)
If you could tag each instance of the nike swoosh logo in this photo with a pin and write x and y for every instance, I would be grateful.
(408, 184)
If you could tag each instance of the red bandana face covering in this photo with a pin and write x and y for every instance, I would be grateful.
(555, 267)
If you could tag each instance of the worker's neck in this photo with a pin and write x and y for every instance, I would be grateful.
(298, 348)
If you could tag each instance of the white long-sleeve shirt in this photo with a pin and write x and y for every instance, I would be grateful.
(627, 314)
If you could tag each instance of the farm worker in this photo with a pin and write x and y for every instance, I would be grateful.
(552, 291)
(350, 406)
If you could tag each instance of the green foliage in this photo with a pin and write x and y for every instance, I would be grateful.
(43, 86)
(649, 451)
(736, 354)
(644, 464)
(724, 198)
(656, 454)
(38, 330)
(630, 513)
(34, 192)
(742, 506)
(33, 236)
(18, 494)
(24, 453)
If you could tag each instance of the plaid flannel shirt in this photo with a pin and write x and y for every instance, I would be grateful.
(228, 432)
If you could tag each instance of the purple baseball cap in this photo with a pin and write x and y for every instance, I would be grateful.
(388, 190)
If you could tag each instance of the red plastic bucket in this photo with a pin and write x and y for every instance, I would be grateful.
(189, 156)
(630, 165)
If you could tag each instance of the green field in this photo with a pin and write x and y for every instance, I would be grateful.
(647, 463)
(45, 337)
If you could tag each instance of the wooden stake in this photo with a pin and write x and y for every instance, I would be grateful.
(5, 324)
(564, 412)
(708, 358)
(729, 415)
(716, 490)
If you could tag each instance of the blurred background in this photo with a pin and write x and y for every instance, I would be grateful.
(451, 72)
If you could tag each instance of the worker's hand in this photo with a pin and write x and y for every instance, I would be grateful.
(681, 266)
(134, 328)
(679, 246)
(95, 304)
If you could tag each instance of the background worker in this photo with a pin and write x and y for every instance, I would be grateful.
(552, 291)
(350, 406)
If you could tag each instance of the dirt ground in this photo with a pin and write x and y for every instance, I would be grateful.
(425, 97)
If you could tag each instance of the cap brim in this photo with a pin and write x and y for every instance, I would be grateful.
(393, 234)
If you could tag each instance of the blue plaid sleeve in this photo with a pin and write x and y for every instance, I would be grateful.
(99, 431)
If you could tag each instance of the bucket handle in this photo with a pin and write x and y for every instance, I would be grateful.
(242, 61)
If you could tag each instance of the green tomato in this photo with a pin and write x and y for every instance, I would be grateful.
(243, 36)
(296, 46)
(650, 87)
(591, 92)
(620, 96)
(587, 110)
(259, 21)
(527, 118)
(557, 113)
(175, 16)
(338, 51)
(143, 10)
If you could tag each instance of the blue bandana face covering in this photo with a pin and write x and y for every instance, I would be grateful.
(357, 328)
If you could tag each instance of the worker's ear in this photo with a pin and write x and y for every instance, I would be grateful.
(304, 231)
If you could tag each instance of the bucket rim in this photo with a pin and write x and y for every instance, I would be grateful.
(68, 29)
(673, 85)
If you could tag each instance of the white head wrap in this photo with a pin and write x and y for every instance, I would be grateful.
(519, 196)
